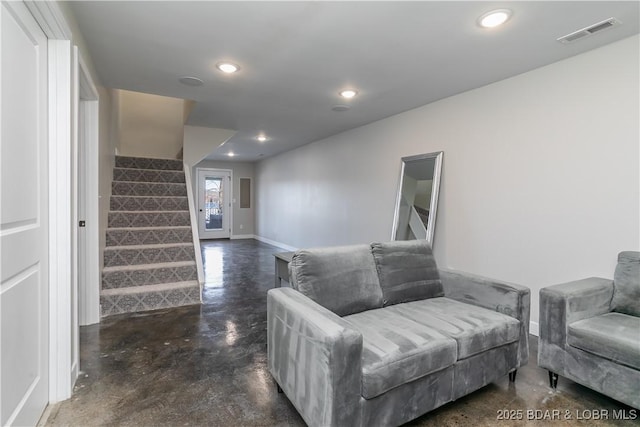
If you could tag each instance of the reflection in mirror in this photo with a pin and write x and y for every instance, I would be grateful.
(417, 201)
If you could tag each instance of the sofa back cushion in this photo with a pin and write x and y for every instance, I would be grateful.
(626, 284)
(407, 271)
(342, 279)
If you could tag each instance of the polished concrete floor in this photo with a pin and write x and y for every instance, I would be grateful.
(206, 366)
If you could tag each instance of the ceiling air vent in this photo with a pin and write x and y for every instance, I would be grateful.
(590, 30)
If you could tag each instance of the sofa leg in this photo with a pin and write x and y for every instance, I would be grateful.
(512, 376)
(553, 380)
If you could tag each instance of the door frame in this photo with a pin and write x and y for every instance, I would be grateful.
(230, 199)
(62, 325)
(86, 134)
(60, 244)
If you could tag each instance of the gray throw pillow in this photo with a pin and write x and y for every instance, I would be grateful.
(407, 271)
(341, 279)
(626, 284)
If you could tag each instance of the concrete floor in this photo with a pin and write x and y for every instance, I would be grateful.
(206, 365)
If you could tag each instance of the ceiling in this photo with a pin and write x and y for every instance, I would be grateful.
(296, 56)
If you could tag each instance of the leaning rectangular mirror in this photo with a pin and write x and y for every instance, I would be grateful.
(417, 201)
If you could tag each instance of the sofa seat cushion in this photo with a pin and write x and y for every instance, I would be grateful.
(397, 350)
(613, 336)
(475, 329)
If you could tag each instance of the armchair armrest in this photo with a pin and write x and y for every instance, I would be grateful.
(503, 297)
(316, 358)
(561, 305)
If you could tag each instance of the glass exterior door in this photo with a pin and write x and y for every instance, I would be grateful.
(214, 207)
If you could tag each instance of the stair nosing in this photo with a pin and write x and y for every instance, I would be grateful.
(150, 246)
(145, 169)
(149, 288)
(133, 267)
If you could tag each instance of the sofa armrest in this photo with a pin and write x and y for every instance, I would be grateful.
(316, 358)
(561, 305)
(503, 297)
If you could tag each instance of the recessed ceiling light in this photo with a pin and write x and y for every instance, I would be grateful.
(191, 81)
(227, 67)
(494, 18)
(340, 107)
(230, 154)
(261, 138)
(348, 93)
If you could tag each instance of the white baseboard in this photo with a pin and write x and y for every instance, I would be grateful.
(274, 243)
(534, 329)
(242, 236)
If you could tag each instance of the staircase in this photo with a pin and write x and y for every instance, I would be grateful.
(149, 261)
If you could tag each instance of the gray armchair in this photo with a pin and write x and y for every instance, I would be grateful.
(590, 332)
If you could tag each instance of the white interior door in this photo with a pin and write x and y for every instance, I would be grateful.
(24, 224)
(214, 203)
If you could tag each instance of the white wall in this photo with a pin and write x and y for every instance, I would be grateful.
(106, 159)
(242, 217)
(200, 141)
(149, 125)
(540, 184)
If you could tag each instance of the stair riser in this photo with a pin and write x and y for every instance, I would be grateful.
(147, 175)
(131, 203)
(118, 257)
(148, 237)
(148, 276)
(148, 189)
(117, 304)
(149, 219)
(143, 163)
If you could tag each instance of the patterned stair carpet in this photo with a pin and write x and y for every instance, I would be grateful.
(149, 261)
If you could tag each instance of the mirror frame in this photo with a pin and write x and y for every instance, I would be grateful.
(435, 191)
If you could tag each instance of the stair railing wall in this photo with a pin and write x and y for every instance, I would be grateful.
(194, 224)
(416, 224)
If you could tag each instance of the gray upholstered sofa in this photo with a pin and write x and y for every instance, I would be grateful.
(377, 335)
(590, 331)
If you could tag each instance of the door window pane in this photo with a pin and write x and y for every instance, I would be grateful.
(213, 195)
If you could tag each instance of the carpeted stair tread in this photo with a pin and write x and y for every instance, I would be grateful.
(163, 228)
(148, 175)
(149, 197)
(148, 254)
(149, 189)
(148, 163)
(148, 266)
(148, 218)
(124, 276)
(125, 236)
(149, 297)
(148, 203)
(152, 212)
(151, 246)
(150, 288)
